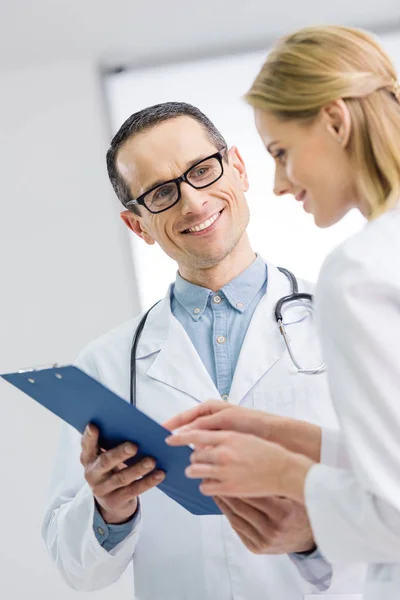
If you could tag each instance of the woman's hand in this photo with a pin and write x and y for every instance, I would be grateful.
(199, 413)
(242, 465)
(214, 415)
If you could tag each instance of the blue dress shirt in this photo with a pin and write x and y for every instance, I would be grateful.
(217, 322)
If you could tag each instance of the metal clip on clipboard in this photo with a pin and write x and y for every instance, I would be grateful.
(41, 368)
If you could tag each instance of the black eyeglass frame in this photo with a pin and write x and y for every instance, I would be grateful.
(183, 178)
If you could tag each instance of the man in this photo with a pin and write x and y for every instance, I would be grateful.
(212, 336)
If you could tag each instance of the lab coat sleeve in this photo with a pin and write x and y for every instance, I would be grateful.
(68, 524)
(349, 523)
(333, 449)
(355, 512)
(314, 567)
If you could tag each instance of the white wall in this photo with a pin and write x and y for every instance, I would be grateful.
(66, 276)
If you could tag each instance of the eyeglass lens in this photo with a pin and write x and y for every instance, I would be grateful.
(200, 176)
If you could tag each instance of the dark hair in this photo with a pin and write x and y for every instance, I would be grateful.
(146, 119)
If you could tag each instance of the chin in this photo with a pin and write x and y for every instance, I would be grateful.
(216, 254)
(208, 260)
(322, 222)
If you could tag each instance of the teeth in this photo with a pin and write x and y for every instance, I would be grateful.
(205, 224)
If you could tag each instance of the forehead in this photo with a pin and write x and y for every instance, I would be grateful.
(272, 129)
(162, 152)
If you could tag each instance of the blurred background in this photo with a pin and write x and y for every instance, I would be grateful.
(70, 73)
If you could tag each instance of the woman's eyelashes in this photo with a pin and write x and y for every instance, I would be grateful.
(280, 156)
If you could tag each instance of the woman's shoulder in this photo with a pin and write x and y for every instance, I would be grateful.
(370, 257)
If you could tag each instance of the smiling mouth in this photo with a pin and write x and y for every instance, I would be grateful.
(203, 226)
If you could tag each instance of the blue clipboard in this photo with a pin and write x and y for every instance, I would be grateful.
(79, 399)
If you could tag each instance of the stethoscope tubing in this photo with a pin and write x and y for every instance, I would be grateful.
(295, 295)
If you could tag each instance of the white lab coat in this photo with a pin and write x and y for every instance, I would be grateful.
(355, 513)
(178, 556)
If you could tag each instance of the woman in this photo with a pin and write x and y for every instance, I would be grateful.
(327, 107)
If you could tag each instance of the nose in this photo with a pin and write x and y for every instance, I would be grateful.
(282, 185)
(192, 200)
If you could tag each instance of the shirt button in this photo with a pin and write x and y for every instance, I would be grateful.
(240, 305)
(225, 397)
(196, 311)
(217, 299)
(100, 530)
(221, 339)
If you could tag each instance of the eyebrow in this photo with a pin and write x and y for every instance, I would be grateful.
(189, 164)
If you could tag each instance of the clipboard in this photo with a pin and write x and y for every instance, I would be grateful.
(78, 399)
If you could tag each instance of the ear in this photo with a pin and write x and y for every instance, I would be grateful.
(135, 223)
(337, 116)
(236, 161)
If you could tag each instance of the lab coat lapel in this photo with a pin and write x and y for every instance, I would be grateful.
(177, 363)
(263, 345)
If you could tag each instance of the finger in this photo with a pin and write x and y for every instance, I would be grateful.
(224, 419)
(244, 523)
(137, 488)
(272, 506)
(125, 495)
(90, 445)
(207, 455)
(212, 487)
(247, 541)
(201, 410)
(118, 467)
(107, 461)
(201, 438)
(235, 418)
(250, 544)
(124, 477)
(222, 504)
(229, 508)
(202, 471)
(245, 511)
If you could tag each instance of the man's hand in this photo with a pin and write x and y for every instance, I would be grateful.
(297, 436)
(269, 525)
(115, 486)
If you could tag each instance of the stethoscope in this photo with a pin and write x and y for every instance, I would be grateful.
(295, 296)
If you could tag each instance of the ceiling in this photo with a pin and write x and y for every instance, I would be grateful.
(120, 32)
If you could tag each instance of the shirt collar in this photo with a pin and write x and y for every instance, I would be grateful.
(193, 298)
(239, 292)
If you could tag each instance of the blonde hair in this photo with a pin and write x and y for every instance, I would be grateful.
(317, 65)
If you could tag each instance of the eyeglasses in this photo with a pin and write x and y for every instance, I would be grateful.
(201, 175)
